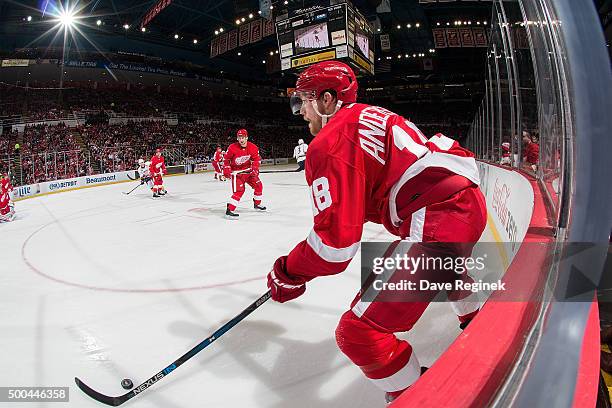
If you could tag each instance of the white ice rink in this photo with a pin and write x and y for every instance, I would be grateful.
(105, 286)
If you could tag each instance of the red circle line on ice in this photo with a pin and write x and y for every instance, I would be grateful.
(124, 290)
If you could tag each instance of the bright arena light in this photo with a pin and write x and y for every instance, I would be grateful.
(67, 18)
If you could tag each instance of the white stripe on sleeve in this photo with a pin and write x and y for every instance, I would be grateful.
(328, 253)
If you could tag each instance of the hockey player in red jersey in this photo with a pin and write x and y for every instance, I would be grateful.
(5, 184)
(217, 164)
(158, 169)
(7, 209)
(241, 164)
(369, 164)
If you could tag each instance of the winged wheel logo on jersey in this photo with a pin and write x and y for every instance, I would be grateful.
(242, 159)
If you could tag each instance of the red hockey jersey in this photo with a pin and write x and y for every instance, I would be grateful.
(218, 157)
(158, 165)
(5, 200)
(370, 164)
(5, 185)
(239, 158)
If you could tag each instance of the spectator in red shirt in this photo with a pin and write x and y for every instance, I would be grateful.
(531, 151)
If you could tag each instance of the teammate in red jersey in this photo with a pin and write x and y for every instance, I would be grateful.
(217, 164)
(369, 164)
(5, 184)
(242, 163)
(158, 169)
(7, 209)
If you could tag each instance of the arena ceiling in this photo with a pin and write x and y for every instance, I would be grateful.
(184, 29)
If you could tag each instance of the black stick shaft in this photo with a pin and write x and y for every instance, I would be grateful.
(134, 188)
(115, 401)
(277, 171)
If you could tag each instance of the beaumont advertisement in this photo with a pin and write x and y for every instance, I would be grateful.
(68, 184)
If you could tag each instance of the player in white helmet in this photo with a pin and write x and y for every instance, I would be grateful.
(299, 153)
(145, 173)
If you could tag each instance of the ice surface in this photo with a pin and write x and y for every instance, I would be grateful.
(106, 286)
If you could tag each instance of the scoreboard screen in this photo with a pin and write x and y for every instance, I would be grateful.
(334, 32)
(311, 37)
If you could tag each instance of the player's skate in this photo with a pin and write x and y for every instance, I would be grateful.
(258, 207)
(155, 195)
(163, 192)
(392, 396)
(8, 217)
(229, 214)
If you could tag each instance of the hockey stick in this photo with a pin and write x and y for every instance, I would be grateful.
(130, 177)
(264, 171)
(243, 171)
(115, 401)
(133, 189)
(278, 171)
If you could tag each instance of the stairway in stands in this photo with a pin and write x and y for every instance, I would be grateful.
(95, 163)
(15, 165)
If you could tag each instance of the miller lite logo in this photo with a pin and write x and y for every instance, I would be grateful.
(242, 159)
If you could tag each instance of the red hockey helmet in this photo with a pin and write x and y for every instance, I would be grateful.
(321, 77)
(242, 132)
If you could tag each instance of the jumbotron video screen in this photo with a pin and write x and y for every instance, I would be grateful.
(334, 32)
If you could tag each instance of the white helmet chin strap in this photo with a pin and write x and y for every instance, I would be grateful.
(325, 118)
